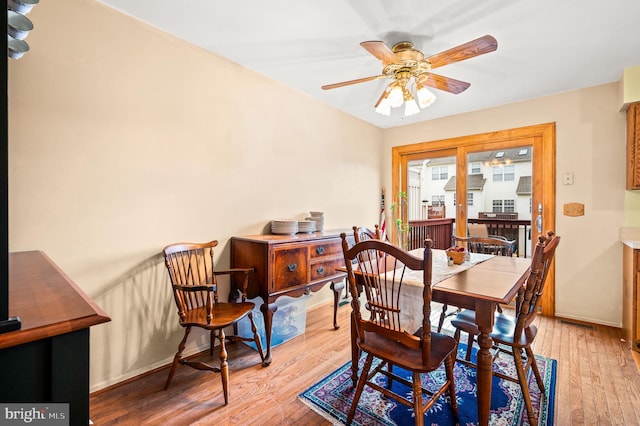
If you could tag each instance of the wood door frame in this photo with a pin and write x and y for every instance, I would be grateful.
(543, 183)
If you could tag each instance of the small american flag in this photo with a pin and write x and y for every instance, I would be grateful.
(383, 219)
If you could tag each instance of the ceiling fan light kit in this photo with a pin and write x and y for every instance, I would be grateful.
(410, 105)
(18, 27)
(396, 95)
(404, 65)
(425, 96)
(384, 107)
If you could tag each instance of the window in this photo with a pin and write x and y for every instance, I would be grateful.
(504, 173)
(475, 168)
(504, 206)
(439, 173)
(497, 174)
(469, 199)
(509, 173)
(437, 200)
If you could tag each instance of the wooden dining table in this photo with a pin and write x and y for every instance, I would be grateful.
(481, 288)
(483, 283)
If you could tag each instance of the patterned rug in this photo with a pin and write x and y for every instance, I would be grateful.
(331, 397)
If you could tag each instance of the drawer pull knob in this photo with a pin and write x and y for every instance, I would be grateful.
(320, 270)
(292, 267)
(320, 250)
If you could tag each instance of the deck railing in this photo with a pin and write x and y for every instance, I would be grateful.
(441, 231)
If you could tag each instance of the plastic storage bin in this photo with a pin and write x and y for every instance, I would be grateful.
(289, 320)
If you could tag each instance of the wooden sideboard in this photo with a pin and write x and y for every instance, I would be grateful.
(47, 360)
(290, 265)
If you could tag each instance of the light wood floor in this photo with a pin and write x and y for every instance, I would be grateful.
(598, 382)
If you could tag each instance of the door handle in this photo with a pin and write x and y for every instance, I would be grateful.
(539, 219)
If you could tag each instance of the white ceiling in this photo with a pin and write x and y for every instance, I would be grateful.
(544, 46)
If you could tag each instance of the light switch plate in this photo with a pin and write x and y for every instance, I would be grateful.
(573, 209)
(567, 178)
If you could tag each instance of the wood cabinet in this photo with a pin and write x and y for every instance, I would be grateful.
(633, 146)
(290, 265)
(47, 360)
(631, 297)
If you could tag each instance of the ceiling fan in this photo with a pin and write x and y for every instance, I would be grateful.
(402, 64)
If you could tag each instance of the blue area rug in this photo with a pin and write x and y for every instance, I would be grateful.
(331, 397)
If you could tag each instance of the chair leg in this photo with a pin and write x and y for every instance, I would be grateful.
(456, 335)
(417, 399)
(534, 367)
(449, 365)
(177, 357)
(212, 342)
(524, 386)
(443, 315)
(361, 382)
(256, 339)
(355, 352)
(469, 347)
(224, 366)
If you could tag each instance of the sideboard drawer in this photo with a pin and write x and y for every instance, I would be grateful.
(323, 270)
(325, 248)
(289, 267)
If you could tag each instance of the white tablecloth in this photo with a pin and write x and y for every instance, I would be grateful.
(411, 302)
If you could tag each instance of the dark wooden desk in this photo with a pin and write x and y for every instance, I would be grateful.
(47, 360)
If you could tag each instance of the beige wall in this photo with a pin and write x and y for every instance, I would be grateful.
(590, 135)
(123, 139)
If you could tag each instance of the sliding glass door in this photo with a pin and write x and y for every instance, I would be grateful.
(503, 180)
(499, 194)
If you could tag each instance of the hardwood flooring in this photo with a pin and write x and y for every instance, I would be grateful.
(598, 382)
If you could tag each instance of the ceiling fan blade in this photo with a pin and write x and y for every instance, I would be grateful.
(440, 82)
(468, 50)
(350, 82)
(380, 51)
